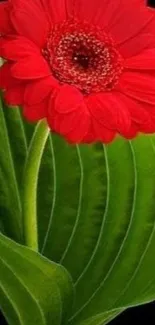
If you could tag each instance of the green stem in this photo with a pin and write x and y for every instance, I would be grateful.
(31, 172)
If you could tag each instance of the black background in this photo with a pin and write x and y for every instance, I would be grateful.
(137, 315)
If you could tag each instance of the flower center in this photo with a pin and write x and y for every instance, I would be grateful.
(81, 59)
(84, 56)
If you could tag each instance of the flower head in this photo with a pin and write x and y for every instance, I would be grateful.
(87, 66)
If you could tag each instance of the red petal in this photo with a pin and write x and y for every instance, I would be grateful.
(143, 61)
(101, 133)
(62, 124)
(132, 132)
(36, 91)
(136, 45)
(121, 27)
(110, 111)
(57, 9)
(68, 99)
(90, 136)
(140, 86)
(84, 9)
(33, 68)
(5, 24)
(140, 114)
(18, 48)
(6, 80)
(30, 20)
(115, 16)
(15, 95)
(81, 129)
(73, 125)
(148, 128)
(36, 112)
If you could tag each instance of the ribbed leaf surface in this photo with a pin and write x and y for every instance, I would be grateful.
(96, 215)
(33, 290)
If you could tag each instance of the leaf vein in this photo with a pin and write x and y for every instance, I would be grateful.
(124, 240)
(54, 195)
(79, 204)
(104, 217)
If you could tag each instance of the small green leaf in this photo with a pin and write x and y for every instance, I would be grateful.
(33, 290)
(12, 157)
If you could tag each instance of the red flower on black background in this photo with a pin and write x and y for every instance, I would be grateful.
(87, 66)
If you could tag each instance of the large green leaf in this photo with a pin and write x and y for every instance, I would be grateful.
(96, 215)
(102, 215)
(33, 290)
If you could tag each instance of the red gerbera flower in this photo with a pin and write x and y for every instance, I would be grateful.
(87, 66)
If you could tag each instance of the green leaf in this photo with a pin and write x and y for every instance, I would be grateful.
(102, 215)
(13, 150)
(96, 216)
(33, 290)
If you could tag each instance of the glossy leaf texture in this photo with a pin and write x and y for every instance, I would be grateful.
(96, 215)
(33, 290)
